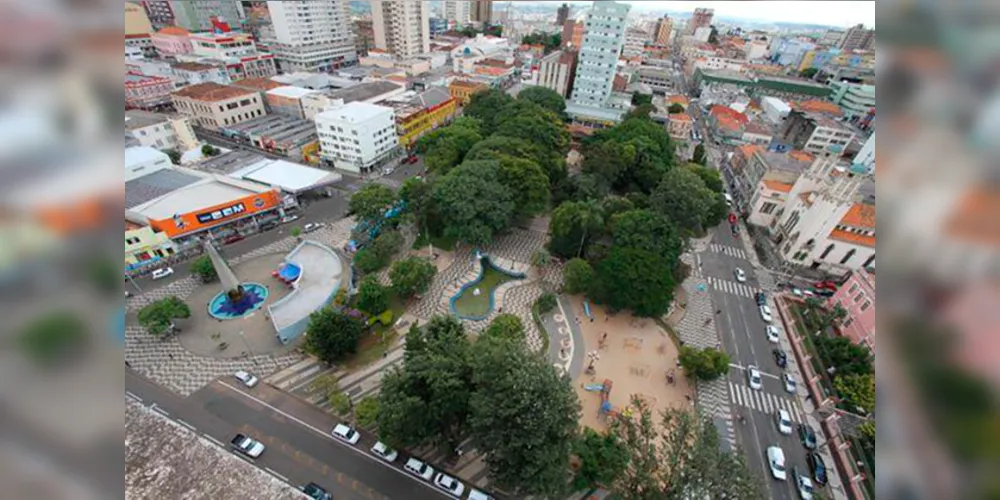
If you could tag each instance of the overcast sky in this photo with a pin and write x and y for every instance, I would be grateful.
(832, 13)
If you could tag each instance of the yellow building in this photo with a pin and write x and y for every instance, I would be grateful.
(145, 246)
(424, 113)
(136, 20)
(463, 90)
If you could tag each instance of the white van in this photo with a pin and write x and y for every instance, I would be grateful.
(729, 199)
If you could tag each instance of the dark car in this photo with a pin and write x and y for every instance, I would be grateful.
(818, 467)
(412, 159)
(761, 298)
(825, 285)
(780, 358)
(233, 238)
(316, 492)
(808, 436)
(824, 292)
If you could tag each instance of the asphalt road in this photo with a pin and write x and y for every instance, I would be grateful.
(298, 444)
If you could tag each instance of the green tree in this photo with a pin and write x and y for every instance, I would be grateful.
(53, 337)
(105, 275)
(635, 279)
(428, 140)
(699, 155)
(411, 276)
(329, 386)
(332, 335)
(506, 326)
(451, 146)
(678, 457)
(858, 390)
(710, 176)
(295, 232)
(528, 183)
(578, 277)
(641, 112)
(867, 430)
(158, 317)
(675, 108)
(541, 258)
(703, 364)
(641, 99)
(614, 205)
(683, 197)
(370, 202)
(809, 73)
(713, 37)
(373, 298)
(379, 252)
(643, 152)
(204, 269)
(474, 204)
(175, 156)
(367, 412)
(523, 418)
(602, 459)
(496, 147)
(486, 106)
(528, 121)
(419, 199)
(546, 303)
(544, 97)
(846, 357)
(649, 231)
(551, 42)
(571, 224)
(209, 150)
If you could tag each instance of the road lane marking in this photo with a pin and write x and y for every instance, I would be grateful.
(159, 410)
(275, 474)
(185, 424)
(330, 438)
(133, 396)
(212, 439)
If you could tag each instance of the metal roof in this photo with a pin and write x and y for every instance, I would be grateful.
(150, 187)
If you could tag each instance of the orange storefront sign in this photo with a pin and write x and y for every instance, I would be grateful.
(190, 222)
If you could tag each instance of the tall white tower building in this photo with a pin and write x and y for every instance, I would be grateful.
(459, 12)
(402, 27)
(311, 35)
(602, 42)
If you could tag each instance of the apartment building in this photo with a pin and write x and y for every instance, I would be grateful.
(222, 45)
(172, 41)
(357, 137)
(556, 71)
(402, 27)
(192, 15)
(160, 131)
(664, 28)
(857, 38)
(311, 36)
(816, 133)
(482, 11)
(857, 297)
(136, 20)
(855, 99)
(598, 59)
(572, 35)
(143, 42)
(701, 18)
(215, 106)
(458, 13)
(635, 43)
(192, 73)
(147, 92)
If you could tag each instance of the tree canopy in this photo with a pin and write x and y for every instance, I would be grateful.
(571, 224)
(858, 390)
(373, 298)
(698, 156)
(506, 326)
(411, 276)
(602, 459)
(448, 146)
(546, 98)
(675, 108)
(157, 317)
(682, 196)
(473, 203)
(703, 364)
(649, 231)
(528, 183)
(332, 335)
(370, 202)
(640, 153)
(204, 269)
(551, 42)
(486, 107)
(578, 277)
(630, 278)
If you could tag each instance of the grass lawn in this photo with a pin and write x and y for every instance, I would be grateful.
(380, 338)
(441, 242)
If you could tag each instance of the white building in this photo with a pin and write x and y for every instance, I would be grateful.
(141, 160)
(556, 71)
(160, 131)
(635, 42)
(402, 27)
(775, 110)
(223, 45)
(458, 12)
(357, 137)
(756, 49)
(133, 53)
(866, 157)
(312, 36)
(703, 34)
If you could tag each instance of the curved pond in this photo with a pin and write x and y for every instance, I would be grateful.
(253, 299)
(474, 300)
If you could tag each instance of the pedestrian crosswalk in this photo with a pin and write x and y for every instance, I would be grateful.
(732, 288)
(728, 250)
(764, 402)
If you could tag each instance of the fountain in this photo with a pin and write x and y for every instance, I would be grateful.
(475, 300)
(236, 299)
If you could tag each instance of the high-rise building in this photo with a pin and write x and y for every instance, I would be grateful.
(402, 27)
(602, 42)
(482, 11)
(458, 12)
(136, 20)
(192, 15)
(556, 71)
(663, 28)
(364, 36)
(701, 18)
(572, 35)
(562, 14)
(857, 38)
(312, 36)
(831, 38)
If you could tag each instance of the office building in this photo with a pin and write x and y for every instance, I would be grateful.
(402, 27)
(562, 14)
(311, 36)
(192, 15)
(458, 12)
(482, 11)
(701, 18)
(816, 133)
(664, 27)
(602, 43)
(556, 71)
(215, 106)
(857, 38)
(357, 137)
(572, 35)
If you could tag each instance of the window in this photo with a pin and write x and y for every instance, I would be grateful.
(853, 289)
(768, 207)
(848, 322)
(848, 256)
(866, 305)
(131, 241)
(826, 252)
(858, 297)
(868, 262)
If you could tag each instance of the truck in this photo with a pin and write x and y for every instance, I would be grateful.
(247, 445)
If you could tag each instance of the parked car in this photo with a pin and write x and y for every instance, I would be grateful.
(735, 228)
(753, 378)
(312, 226)
(789, 381)
(784, 422)
(773, 334)
(410, 160)
(780, 358)
(289, 218)
(475, 494)
(419, 469)
(808, 436)
(247, 379)
(269, 225)
(765, 313)
(825, 285)
(740, 275)
(797, 292)
(776, 461)
(162, 272)
(384, 452)
(823, 292)
(233, 238)
(346, 434)
(761, 298)
(818, 467)
(449, 485)
(247, 445)
(803, 484)
(315, 491)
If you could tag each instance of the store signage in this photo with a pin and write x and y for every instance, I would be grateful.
(221, 213)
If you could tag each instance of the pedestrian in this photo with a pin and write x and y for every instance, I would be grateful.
(591, 319)
(171, 355)
(604, 337)
(128, 364)
(606, 318)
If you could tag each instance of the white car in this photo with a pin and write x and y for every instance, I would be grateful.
(346, 434)
(312, 226)
(797, 292)
(475, 494)
(776, 461)
(753, 378)
(247, 379)
(450, 485)
(740, 275)
(765, 313)
(289, 218)
(382, 451)
(419, 469)
(789, 381)
(772, 334)
(803, 484)
(784, 421)
(162, 272)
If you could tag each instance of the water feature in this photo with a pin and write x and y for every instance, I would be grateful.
(229, 305)
(475, 299)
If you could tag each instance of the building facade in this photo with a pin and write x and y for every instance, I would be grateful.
(816, 133)
(364, 36)
(223, 45)
(160, 131)
(680, 126)
(143, 42)
(635, 43)
(855, 99)
(172, 41)
(598, 58)
(192, 15)
(147, 92)
(482, 11)
(215, 106)
(431, 109)
(192, 73)
(402, 27)
(857, 297)
(136, 20)
(311, 36)
(664, 28)
(357, 137)
(857, 38)
(556, 71)
(572, 35)
(701, 18)
(458, 12)
(463, 89)
(562, 14)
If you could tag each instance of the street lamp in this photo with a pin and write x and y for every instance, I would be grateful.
(249, 351)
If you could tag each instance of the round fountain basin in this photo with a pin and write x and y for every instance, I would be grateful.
(254, 297)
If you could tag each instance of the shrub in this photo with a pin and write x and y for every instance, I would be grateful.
(204, 269)
(546, 303)
(367, 412)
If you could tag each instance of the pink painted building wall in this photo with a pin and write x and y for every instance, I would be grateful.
(172, 41)
(857, 296)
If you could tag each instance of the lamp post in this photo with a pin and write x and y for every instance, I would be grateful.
(249, 351)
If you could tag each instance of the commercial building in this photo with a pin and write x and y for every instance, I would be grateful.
(857, 297)
(402, 27)
(422, 113)
(278, 134)
(659, 80)
(147, 92)
(757, 133)
(556, 71)
(857, 100)
(222, 45)
(143, 42)
(572, 35)
(463, 89)
(790, 51)
(482, 11)
(172, 41)
(370, 92)
(136, 20)
(357, 137)
(701, 18)
(294, 180)
(816, 133)
(145, 247)
(193, 73)
(192, 15)
(215, 106)
(857, 38)
(287, 100)
(160, 131)
(602, 42)
(311, 36)
(562, 14)
(458, 12)
(775, 110)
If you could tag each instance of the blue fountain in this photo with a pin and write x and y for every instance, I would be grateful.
(236, 300)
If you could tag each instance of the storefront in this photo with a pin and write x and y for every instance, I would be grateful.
(235, 218)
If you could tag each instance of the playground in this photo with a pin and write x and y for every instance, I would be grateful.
(625, 356)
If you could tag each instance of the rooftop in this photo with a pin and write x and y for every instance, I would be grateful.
(782, 187)
(150, 187)
(211, 92)
(785, 161)
(261, 84)
(290, 92)
(207, 192)
(192, 66)
(288, 176)
(354, 112)
(137, 118)
(174, 31)
(861, 215)
(136, 78)
(757, 128)
(720, 112)
(818, 106)
(467, 84)
(364, 91)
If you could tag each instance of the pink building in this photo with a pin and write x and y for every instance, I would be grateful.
(173, 41)
(857, 296)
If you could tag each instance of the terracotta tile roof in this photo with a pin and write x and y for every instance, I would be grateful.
(725, 111)
(262, 84)
(974, 217)
(727, 122)
(467, 84)
(801, 155)
(861, 216)
(817, 106)
(756, 128)
(805, 198)
(681, 117)
(174, 30)
(493, 63)
(211, 92)
(678, 99)
(749, 150)
(192, 66)
(779, 186)
(849, 237)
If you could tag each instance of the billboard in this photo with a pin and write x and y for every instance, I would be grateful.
(198, 220)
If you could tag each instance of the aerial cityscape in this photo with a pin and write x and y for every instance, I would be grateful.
(395, 249)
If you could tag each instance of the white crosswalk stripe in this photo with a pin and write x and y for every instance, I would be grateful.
(731, 287)
(764, 402)
(730, 251)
